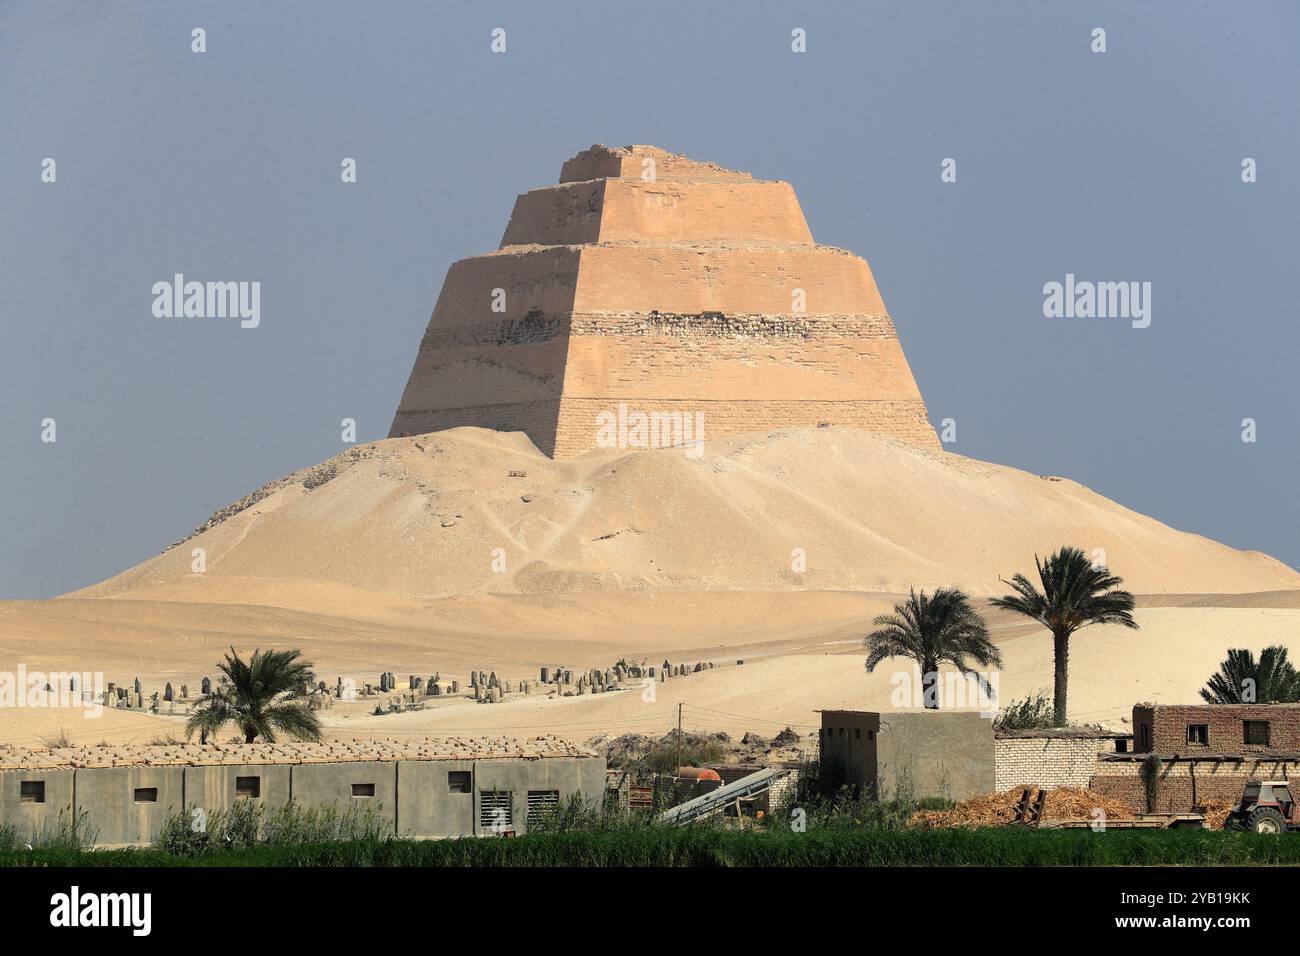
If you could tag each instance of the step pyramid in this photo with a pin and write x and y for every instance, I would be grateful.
(646, 283)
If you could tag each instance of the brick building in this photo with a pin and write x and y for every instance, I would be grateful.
(1051, 756)
(1185, 755)
(1218, 729)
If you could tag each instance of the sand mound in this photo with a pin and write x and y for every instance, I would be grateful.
(472, 511)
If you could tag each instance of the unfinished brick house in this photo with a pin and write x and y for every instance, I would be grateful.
(1188, 754)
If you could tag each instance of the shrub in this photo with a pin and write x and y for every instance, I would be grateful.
(69, 831)
(576, 815)
(1032, 713)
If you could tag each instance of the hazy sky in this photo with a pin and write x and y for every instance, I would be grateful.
(225, 165)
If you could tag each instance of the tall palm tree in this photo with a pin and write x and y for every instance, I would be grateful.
(1075, 593)
(1271, 680)
(941, 628)
(263, 696)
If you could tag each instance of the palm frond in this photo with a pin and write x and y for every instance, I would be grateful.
(261, 696)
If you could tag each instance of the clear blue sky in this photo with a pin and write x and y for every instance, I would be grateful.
(225, 165)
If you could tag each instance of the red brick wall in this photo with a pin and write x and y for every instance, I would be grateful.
(1168, 728)
(1209, 781)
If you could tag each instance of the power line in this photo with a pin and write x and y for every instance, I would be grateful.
(761, 720)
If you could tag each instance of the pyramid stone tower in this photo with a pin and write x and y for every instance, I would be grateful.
(652, 281)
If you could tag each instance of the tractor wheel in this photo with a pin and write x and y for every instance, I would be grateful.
(1266, 820)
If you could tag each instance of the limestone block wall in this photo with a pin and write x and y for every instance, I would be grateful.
(746, 212)
(633, 210)
(600, 162)
(568, 214)
(700, 291)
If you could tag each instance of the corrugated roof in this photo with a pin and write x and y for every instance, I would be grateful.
(291, 752)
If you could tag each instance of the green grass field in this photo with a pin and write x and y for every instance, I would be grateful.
(719, 847)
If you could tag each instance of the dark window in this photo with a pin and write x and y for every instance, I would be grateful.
(1121, 745)
(146, 794)
(363, 790)
(539, 802)
(857, 733)
(248, 787)
(1144, 735)
(458, 781)
(1255, 732)
(871, 735)
(1198, 734)
(31, 791)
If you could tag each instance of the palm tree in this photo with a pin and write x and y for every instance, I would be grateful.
(1271, 680)
(263, 696)
(941, 628)
(1075, 593)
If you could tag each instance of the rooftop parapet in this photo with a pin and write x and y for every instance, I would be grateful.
(290, 752)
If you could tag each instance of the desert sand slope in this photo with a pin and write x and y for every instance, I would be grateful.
(782, 683)
(383, 559)
(441, 514)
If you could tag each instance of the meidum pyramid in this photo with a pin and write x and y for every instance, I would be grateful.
(649, 282)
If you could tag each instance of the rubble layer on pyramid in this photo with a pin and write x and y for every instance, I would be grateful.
(699, 292)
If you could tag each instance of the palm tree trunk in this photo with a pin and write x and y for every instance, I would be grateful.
(250, 736)
(1061, 648)
(930, 685)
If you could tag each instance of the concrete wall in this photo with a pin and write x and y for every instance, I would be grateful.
(412, 797)
(518, 777)
(848, 747)
(331, 784)
(214, 788)
(936, 753)
(426, 805)
(108, 797)
(933, 754)
(29, 818)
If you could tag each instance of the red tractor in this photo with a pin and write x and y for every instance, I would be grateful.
(1266, 807)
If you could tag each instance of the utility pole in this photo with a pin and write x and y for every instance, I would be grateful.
(679, 738)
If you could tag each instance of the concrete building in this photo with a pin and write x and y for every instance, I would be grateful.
(933, 753)
(421, 788)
